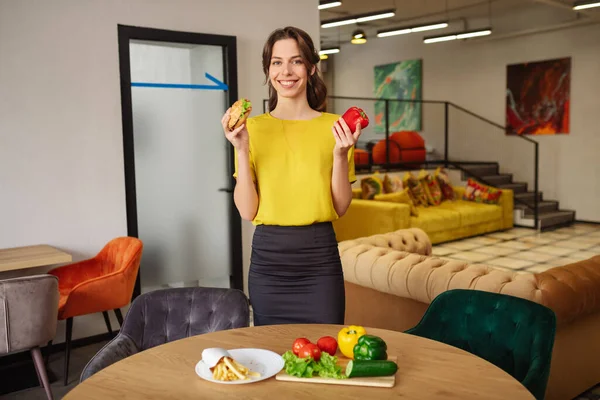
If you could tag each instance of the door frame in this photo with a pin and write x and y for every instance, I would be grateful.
(229, 43)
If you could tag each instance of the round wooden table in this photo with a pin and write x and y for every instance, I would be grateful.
(426, 370)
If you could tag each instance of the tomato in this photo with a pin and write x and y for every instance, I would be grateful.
(310, 350)
(298, 344)
(328, 344)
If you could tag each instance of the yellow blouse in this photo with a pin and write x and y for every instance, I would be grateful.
(292, 163)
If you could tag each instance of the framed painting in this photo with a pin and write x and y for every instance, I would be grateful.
(538, 97)
(402, 81)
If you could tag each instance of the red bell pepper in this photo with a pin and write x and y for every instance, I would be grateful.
(353, 116)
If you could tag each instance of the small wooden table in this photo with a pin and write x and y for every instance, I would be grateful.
(426, 370)
(31, 256)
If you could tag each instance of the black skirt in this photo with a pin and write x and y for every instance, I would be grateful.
(296, 275)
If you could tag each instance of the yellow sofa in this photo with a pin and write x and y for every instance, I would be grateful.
(450, 220)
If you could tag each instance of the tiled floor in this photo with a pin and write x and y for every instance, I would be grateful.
(524, 249)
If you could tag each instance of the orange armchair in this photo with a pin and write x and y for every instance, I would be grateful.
(99, 284)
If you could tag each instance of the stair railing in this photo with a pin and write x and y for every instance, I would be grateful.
(536, 155)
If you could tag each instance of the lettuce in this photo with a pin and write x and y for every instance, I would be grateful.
(245, 106)
(326, 367)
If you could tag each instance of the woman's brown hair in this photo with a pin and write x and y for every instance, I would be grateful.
(316, 91)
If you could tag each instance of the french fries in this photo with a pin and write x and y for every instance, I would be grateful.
(227, 369)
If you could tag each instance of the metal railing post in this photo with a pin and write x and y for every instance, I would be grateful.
(387, 134)
(446, 130)
(536, 185)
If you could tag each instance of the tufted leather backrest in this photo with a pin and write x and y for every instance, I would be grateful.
(512, 333)
(571, 291)
(412, 240)
(163, 316)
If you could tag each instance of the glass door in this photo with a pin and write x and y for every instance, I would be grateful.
(178, 163)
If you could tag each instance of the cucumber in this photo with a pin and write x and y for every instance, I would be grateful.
(363, 368)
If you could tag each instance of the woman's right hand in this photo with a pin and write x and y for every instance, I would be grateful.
(238, 137)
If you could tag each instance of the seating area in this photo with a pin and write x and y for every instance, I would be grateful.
(455, 213)
(31, 309)
(391, 279)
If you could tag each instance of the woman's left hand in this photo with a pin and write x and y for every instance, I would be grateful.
(344, 138)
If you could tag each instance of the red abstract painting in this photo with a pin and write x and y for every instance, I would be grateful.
(538, 97)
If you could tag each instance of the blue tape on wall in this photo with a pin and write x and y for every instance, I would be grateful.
(217, 86)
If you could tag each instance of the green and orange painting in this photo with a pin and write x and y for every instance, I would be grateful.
(401, 80)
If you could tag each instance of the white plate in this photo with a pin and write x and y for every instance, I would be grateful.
(265, 362)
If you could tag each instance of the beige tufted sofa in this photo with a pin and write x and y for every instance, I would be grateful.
(392, 278)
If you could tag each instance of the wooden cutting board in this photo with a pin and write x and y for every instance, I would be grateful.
(376, 381)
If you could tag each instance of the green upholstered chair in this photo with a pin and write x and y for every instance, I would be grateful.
(512, 333)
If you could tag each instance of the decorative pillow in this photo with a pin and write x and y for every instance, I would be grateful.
(442, 178)
(480, 193)
(399, 197)
(392, 184)
(371, 186)
(431, 187)
(416, 190)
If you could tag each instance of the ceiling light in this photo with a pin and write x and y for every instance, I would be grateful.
(376, 16)
(411, 29)
(456, 36)
(582, 5)
(467, 35)
(358, 18)
(393, 32)
(338, 23)
(431, 27)
(359, 37)
(440, 39)
(324, 4)
(329, 51)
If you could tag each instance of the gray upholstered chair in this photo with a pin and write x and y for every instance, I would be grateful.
(28, 318)
(163, 316)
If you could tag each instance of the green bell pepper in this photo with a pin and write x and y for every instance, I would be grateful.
(370, 347)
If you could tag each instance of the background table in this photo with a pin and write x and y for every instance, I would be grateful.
(426, 370)
(31, 256)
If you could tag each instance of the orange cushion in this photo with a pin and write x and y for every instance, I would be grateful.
(361, 157)
(480, 193)
(408, 139)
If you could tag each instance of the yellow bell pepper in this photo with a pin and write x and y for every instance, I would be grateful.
(347, 339)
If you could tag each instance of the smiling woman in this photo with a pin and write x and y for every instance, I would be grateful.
(293, 48)
(294, 169)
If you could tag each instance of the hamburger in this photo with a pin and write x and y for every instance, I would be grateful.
(240, 110)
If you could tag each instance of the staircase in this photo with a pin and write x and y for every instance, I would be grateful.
(550, 215)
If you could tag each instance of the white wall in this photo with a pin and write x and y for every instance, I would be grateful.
(61, 156)
(473, 75)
